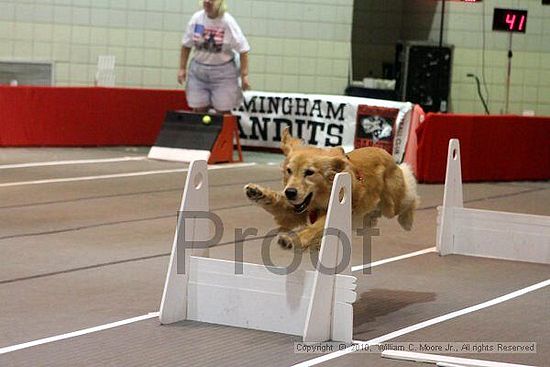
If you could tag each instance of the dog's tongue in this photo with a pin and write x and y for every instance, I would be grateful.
(313, 215)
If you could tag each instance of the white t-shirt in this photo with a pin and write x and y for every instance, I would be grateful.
(214, 40)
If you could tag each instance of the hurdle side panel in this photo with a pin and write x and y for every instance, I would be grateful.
(173, 306)
(452, 198)
(501, 235)
(485, 233)
(325, 321)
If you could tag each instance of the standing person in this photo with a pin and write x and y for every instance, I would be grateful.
(213, 75)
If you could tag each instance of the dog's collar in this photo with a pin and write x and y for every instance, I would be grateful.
(313, 215)
(358, 173)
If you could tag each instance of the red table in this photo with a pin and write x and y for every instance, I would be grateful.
(493, 148)
(87, 116)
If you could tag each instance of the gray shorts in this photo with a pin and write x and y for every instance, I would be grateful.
(213, 86)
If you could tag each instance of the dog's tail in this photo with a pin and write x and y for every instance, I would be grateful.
(411, 200)
(410, 182)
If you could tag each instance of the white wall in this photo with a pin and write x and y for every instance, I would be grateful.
(297, 45)
(464, 25)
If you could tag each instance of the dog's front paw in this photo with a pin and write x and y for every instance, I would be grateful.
(285, 241)
(254, 192)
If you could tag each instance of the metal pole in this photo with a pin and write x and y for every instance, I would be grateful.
(508, 77)
(443, 104)
(441, 27)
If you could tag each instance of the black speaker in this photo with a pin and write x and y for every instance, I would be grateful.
(424, 75)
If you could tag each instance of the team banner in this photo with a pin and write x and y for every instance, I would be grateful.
(324, 121)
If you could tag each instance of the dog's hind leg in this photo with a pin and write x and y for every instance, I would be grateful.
(368, 220)
(406, 218)
(387, 207)
(392, 194)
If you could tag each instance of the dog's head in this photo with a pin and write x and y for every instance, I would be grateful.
(308, 173)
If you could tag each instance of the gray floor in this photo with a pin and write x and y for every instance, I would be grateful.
(79, 254)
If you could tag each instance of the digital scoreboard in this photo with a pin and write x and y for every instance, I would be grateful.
(509, 20)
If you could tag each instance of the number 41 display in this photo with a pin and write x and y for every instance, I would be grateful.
(510, 20)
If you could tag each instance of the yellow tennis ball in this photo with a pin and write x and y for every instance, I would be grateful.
(207, 120)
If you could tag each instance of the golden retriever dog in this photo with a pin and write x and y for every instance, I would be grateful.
(379, 187)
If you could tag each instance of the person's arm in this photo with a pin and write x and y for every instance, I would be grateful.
(244, 71)
(184, 57)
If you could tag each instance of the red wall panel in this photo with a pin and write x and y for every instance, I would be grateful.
(67, 116)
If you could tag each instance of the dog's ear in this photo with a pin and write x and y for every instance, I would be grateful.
(334, 165)
(337, 151)
(288, 142)
(338, 164)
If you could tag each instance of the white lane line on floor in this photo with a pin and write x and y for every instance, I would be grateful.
(76, 161)
(144, 317)
(442, 360)
(392, 259)
(118, 175)
(381, 339)
(77, 333)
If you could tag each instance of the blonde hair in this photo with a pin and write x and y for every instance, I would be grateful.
(222, 6)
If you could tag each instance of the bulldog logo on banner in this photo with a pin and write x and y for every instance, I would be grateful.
(375, 127)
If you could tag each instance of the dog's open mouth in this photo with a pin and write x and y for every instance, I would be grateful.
(300, 208)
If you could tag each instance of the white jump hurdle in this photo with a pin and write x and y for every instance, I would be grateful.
(311, 304)
(484, 233)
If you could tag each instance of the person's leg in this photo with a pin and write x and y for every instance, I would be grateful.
(226, 92)
(197, 89)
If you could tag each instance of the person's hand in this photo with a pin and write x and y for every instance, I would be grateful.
(245, 82)
(182, 74)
